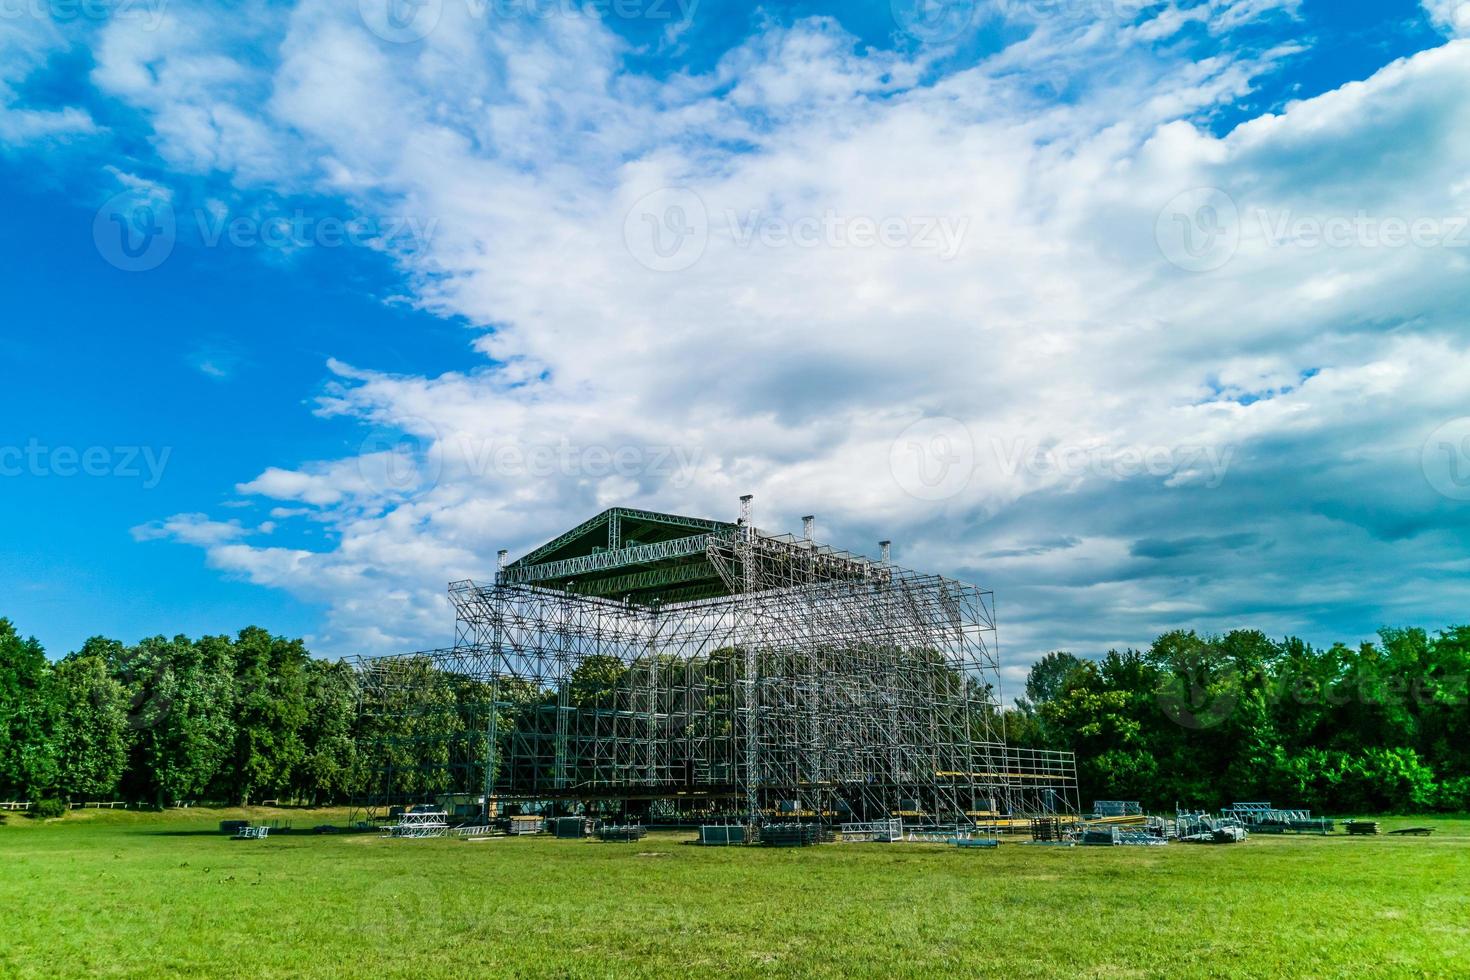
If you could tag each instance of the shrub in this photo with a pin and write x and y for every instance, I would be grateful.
(48, 809)
(1454, 795)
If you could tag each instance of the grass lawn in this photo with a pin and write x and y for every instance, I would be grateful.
(143, 894)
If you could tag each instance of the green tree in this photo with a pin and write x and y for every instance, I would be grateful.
(327, 770)
(91, 728)
(270, 710)
(1048, 679)
(28, 763)
(182, 697)
(1442, 696)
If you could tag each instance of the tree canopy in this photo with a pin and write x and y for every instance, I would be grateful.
(1204, 720)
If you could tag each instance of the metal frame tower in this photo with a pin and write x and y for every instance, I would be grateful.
(677, 665)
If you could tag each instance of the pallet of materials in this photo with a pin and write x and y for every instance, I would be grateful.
(519, 826)
(791, 835)
(1362, 828)
(1047, 829)
(622, 835)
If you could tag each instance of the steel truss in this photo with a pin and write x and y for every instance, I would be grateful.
(824, 686)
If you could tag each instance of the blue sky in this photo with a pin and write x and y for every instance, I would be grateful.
(1034, 287)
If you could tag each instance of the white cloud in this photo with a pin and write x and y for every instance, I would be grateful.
(327, 486)
(27, 44)
(201, 98)
(1056, 328)
(1450, 16)
(195, 529)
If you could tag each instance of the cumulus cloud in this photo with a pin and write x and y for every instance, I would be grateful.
(1450, 16)
(1036, 318)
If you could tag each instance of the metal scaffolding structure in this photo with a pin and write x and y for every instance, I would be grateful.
(678, 666)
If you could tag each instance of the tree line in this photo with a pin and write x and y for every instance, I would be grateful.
(233, 719)
(1195, 720)
(1206, 720)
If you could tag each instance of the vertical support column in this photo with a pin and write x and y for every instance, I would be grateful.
(491, 735)
(815, 670)
(750, 684)
(651, 705)
(969, 702)
(893, 674)
(497, 666)
(563, 688)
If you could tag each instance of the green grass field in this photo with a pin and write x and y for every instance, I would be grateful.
(141, 894)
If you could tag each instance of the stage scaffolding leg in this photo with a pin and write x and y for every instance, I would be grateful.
(750, 683)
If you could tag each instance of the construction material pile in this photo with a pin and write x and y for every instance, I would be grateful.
(419, 823)
(1269, 819)
(1197, 827)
